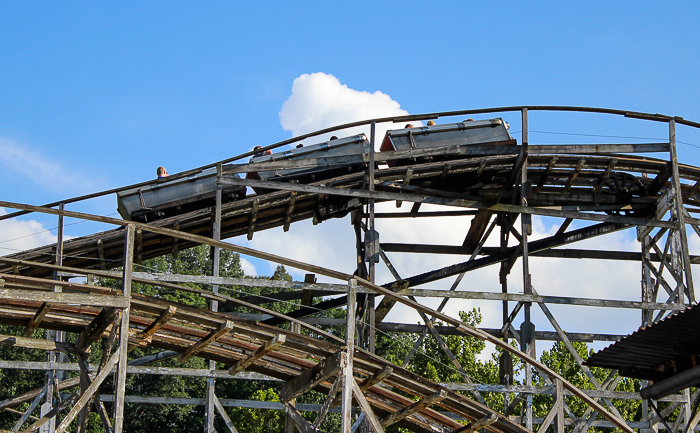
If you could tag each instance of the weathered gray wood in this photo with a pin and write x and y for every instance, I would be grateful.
(53, 412)
(36, 320)
(34, 343)
(329, 400)
(94, 330)
(87, 395)
(413, 408)
(366, 408)
(261, 351)
(302, 424)
(146, 335)
(202, 344)
(120, 385)
(86, 299)
(30, 409)
(253, 218)
(311, 377)
(478, 424)
(224, 415)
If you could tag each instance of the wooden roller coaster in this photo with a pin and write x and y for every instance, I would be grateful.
(493, 181)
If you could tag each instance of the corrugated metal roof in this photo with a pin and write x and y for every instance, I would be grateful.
(650, 347)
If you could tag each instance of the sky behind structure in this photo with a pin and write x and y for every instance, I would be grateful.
(97, 95)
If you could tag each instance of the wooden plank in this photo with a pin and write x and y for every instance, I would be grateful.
(94, 330)
(477, 228)
(86, 299)
(376, 378)
(33, 343)
(30, 409)
(253, 218)
(311, 377)
(35, 321)
(202, 344)
(146, 335)
(261, 351)
(413, 408)
(478, 424)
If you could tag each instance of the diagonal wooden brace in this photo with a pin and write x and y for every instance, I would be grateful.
(311, 377)
(145, 337)
(202, 344)
(415, 407)
(94, 330)
(261, 351)
(478, 424)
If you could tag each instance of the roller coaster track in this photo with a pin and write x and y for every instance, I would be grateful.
(571, 182)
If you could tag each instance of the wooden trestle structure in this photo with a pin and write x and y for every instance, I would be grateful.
(609, 185)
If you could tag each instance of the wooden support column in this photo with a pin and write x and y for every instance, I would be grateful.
(216, 257)
(253, 218)
(348, 379)
(120, 385)
(526, 229)
(290, 210)
(373, 247)
(58, 336)
(680, 215)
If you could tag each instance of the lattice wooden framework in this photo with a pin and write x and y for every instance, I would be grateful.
(609, 185)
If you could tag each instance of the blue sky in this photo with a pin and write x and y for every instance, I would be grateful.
(96, 95)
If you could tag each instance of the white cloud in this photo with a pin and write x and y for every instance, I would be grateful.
(19, 235)
(30, 163)
(248, 268)
(319, 101)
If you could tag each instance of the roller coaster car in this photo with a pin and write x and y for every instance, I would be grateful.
(350, 147)
(468, 133)
(168, 198)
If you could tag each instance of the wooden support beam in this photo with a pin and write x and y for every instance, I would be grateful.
(478, 424)
(94, 330)
(53, 412)
(35, 321)
(445, 171)
(547, 172)
(253, 218)
(34, 343)
(477, 228)
(606, 174)
(202, 344)
(376, 378)
(574, 175)
(413, 408)
(290, 210)
(366, 408)
(87, 395)
(101, 254)
(261, 351)
(27, 414)
(145, 337)
(302, 424)
(414, 209)
(330, 400)
(175, 250)
(406, 181)
(139, 246)
(660, 180)
(86, 299)
(311, 377)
